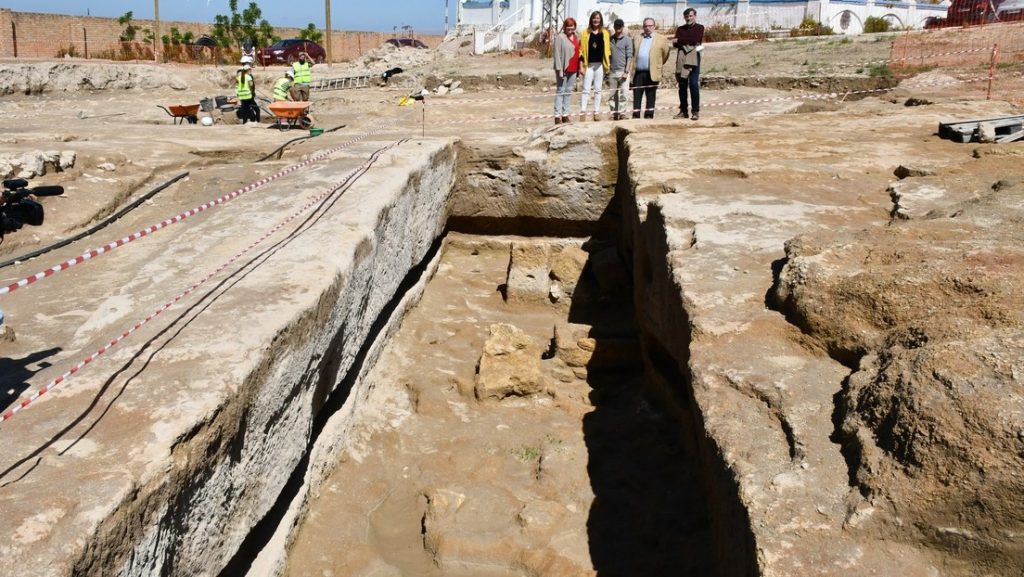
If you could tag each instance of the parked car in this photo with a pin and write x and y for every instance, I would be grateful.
(1010, 10)
(287, 51)
(405, 43)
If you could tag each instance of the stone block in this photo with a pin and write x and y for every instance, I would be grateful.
(509, 365)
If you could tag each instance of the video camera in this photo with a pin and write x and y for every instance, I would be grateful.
(16, 209)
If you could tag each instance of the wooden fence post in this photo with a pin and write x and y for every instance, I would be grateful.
(992, 70)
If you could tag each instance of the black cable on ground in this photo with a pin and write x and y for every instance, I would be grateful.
(280, 150)
(96, 228)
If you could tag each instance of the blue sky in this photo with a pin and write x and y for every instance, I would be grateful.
(426, 16)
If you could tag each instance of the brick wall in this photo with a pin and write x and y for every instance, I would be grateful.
(36, 35)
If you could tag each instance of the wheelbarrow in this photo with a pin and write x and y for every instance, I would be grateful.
(291, 114)
(182, 112)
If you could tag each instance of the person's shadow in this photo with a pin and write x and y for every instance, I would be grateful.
(15, 374)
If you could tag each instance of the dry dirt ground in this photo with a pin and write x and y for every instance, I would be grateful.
(123, 145)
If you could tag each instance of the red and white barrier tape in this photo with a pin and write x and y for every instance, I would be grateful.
(178, 218)
(124, 335)
(825, 96)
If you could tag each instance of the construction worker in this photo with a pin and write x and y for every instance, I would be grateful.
(245, 91)
(303, 76)
(283, 86)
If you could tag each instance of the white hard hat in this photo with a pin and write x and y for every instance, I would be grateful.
(289, 73)
(206, 121)
(246, 59)
(246, 67)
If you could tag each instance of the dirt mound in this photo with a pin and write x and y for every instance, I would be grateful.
(42, 77)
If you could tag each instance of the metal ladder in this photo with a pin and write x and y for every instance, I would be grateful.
(341, 83)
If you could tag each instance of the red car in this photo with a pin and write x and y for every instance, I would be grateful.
(405, 43)
(972, 12)
(287, 51)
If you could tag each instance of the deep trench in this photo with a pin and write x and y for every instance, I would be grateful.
(664, 503)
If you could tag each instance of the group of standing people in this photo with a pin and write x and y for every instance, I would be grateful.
(597, 52)
(294, 85)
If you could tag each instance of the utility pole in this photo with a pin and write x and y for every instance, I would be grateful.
(446, 17)
(330, 45)
(553, 15)
(156, 30)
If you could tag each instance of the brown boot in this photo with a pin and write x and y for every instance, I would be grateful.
(565, 120)
(558, 120)
(597, 117)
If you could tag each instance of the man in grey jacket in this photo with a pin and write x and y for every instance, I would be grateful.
(622, 57)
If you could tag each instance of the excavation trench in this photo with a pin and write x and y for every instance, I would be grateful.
(517, 419)
(530, 415)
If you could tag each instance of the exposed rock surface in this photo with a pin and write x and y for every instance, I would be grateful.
(177, 452)
(35, 163)
(932, 419)
(509, 364)
(834, 474)
(767, 410)
(564, 176)
(37, 78)
(544, 272)
(432, 482)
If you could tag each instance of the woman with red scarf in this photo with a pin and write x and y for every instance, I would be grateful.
(567, 67)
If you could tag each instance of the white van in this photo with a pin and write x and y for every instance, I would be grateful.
(1010, 10)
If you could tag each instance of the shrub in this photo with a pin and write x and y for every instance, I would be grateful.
(70, 52)
(717, 33)
(810, 27)
(722, 32)
(876, 24)
(879, 71)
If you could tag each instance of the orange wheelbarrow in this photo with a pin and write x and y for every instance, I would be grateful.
(290, 114)
(182, 112)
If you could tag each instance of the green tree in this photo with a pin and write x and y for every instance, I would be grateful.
(311, 33)
(236, 28)
(128, 30)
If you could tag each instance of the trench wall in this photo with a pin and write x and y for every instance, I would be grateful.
(234, 443)
(665, 326)
(581, 182)
(200, 525)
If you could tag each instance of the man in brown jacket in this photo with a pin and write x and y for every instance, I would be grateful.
(650, 53)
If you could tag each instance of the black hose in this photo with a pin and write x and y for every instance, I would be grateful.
(99, 226)
(280, 150)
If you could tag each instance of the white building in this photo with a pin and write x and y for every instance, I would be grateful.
(496, 21)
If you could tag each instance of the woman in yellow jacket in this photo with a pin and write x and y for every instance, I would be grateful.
(595, 58)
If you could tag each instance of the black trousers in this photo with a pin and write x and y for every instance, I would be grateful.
(647, 87)
(248, 110)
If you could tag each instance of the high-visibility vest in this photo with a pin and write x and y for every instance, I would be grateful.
(303, 72)
(244, 89)
(281, 88)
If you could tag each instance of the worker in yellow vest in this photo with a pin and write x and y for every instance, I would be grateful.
(283, 87)
(245, 91)
(303, 70)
